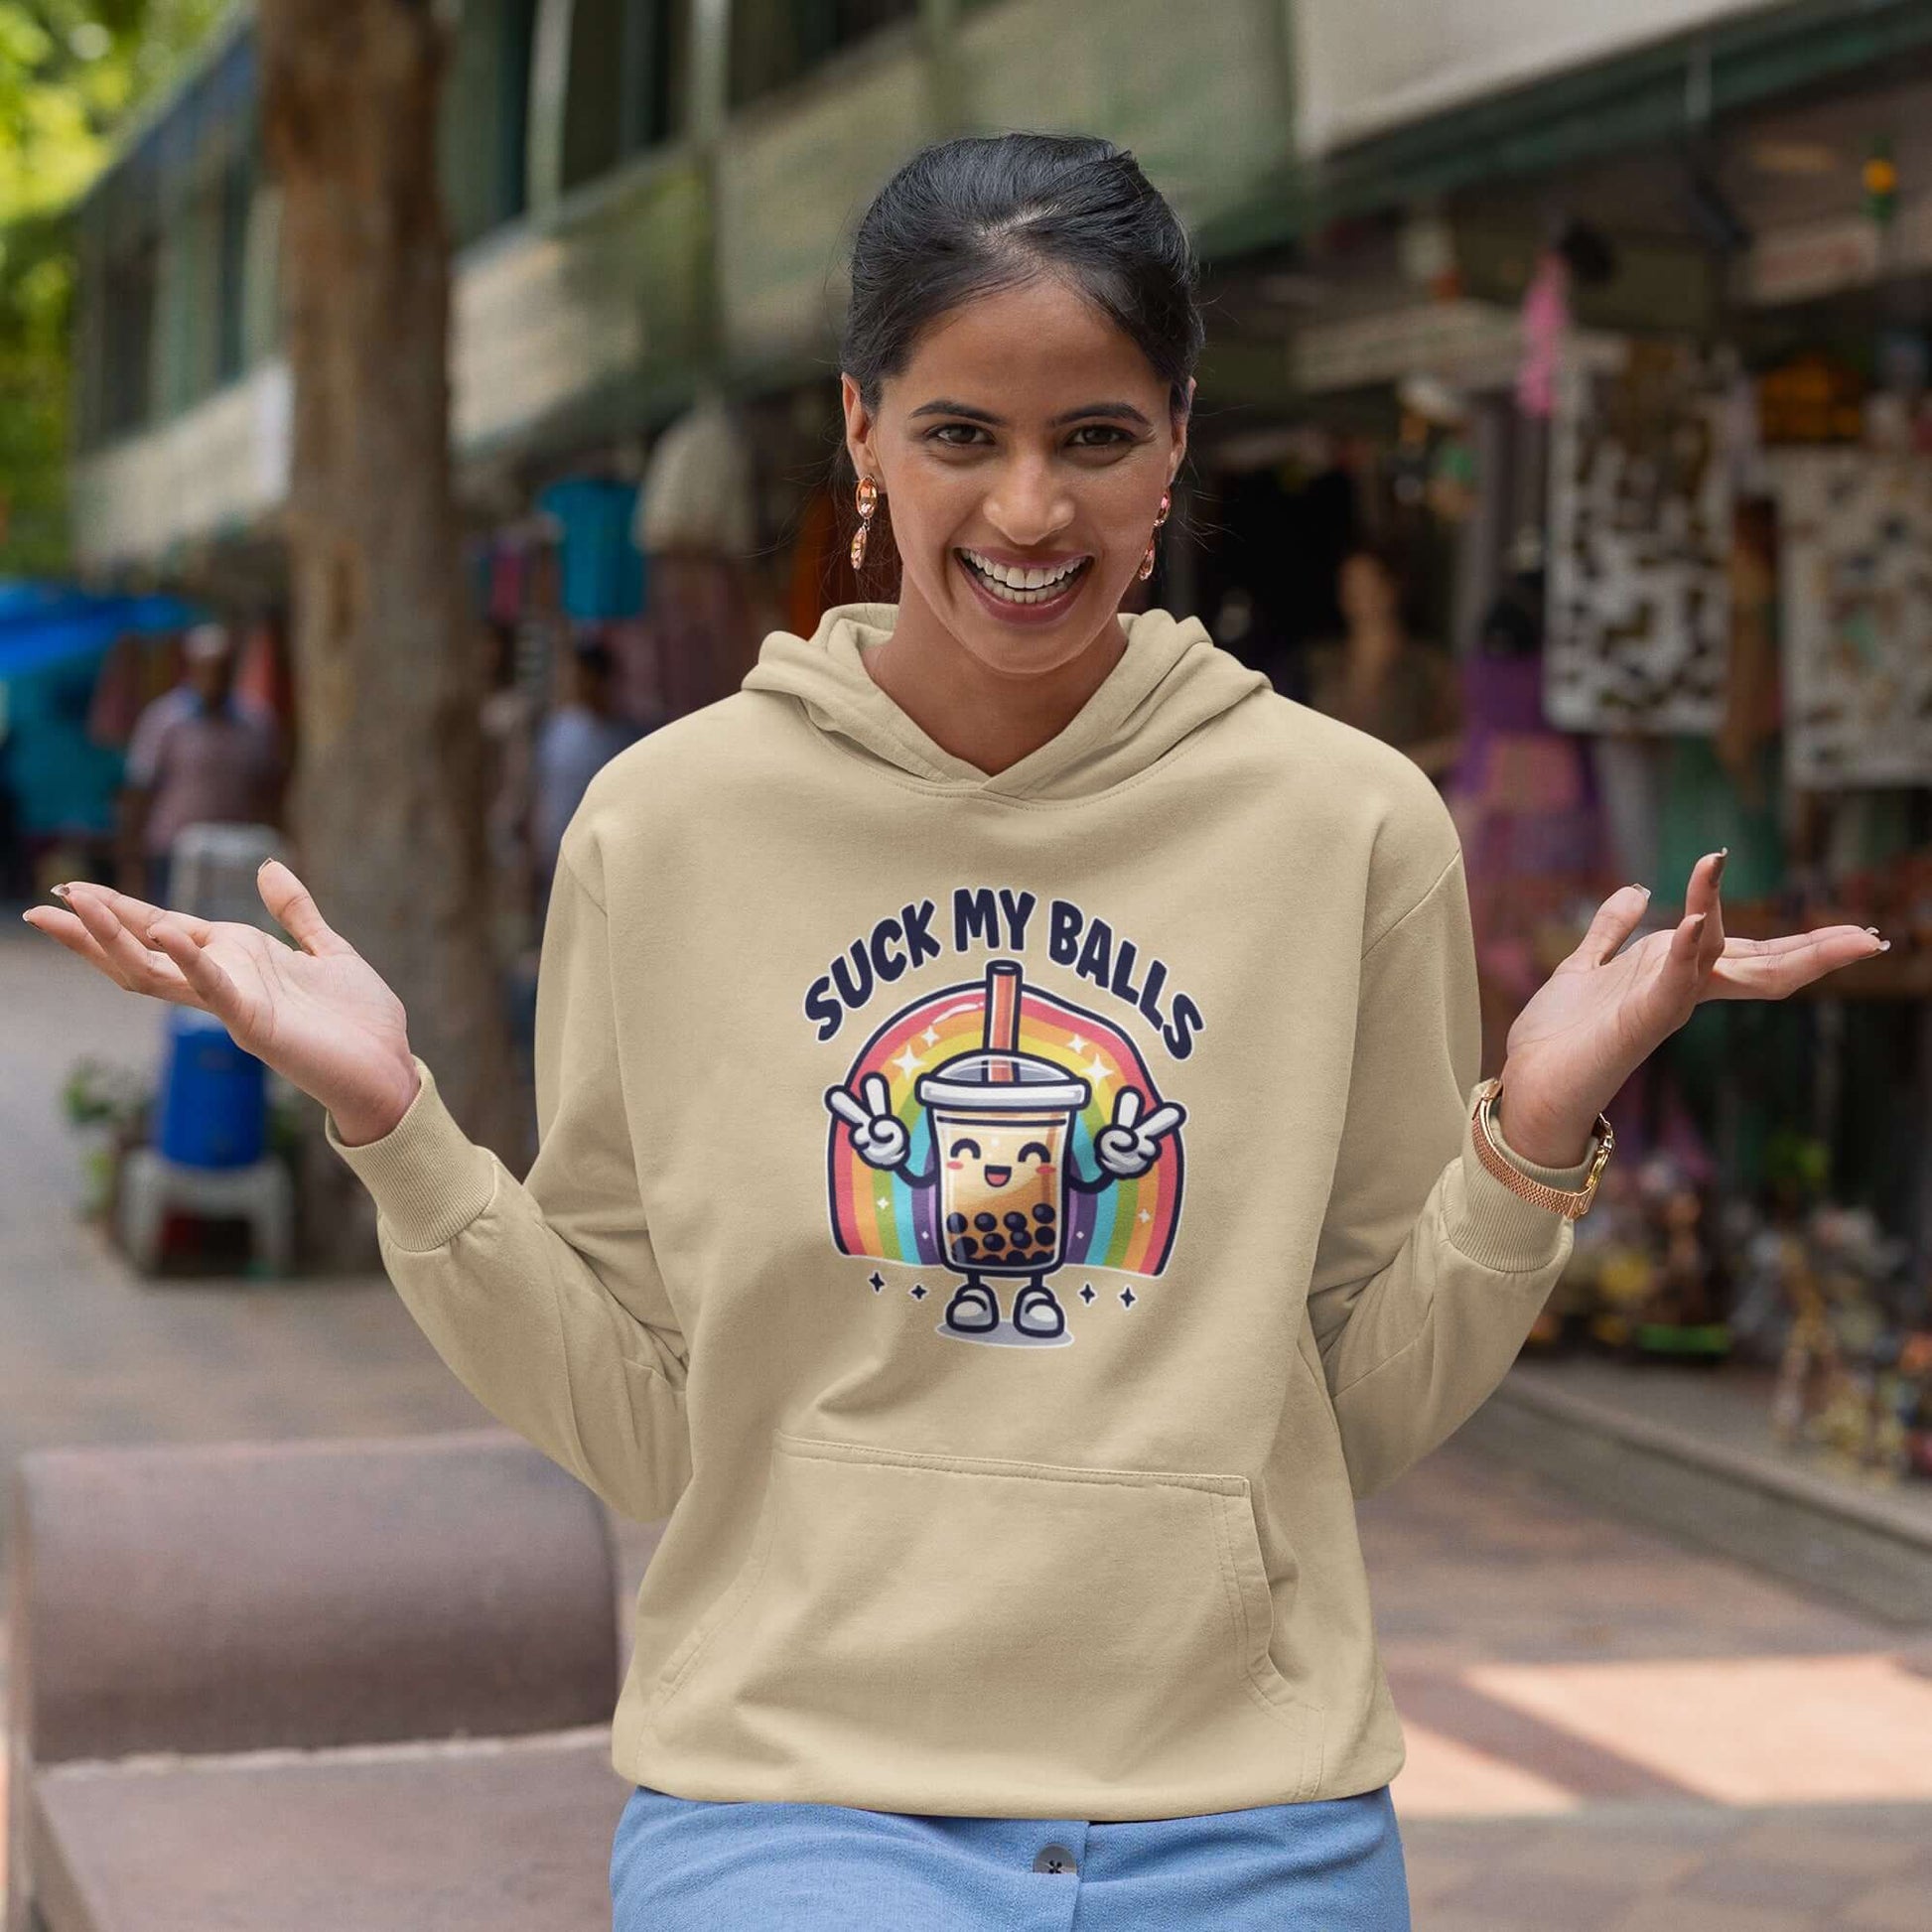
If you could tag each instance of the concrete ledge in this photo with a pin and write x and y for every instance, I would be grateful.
(1863, 1549)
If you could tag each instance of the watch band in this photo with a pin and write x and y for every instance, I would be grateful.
(1571, 1206)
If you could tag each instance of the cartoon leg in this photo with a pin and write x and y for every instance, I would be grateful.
(1036, 1313)
(973, 1310)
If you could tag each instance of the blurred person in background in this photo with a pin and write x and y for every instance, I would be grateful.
(200, 754)
(1379, 678)
(957, 1609)
(582, 733)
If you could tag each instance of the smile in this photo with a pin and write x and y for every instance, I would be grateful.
(998, 1176)
(1022, 587)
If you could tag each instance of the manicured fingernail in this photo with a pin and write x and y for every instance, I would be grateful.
(59, 892)
(1885, 945)
(1644, 889)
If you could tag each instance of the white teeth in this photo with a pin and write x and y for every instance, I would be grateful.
(1022, 585)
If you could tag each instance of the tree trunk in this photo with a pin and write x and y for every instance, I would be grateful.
(388, 807)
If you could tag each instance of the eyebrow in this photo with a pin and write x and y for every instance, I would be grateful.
(943, 406)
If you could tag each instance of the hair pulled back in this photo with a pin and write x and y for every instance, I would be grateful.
(979, 214)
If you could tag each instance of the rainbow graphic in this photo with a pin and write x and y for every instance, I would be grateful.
(1128, 1225)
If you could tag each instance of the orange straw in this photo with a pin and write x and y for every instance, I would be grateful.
(1002, 1016)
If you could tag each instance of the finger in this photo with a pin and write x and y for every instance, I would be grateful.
(1162, 1120)
(1681, 961)
(847, 1109)
(1127, 1107)
(65, 928)
(1617, 918)
(137, 914)
(1794, 941)
(288, 899)
(878, 1095)
(127, 960)
(1782, 967)
(205, 979)
(1701, 896)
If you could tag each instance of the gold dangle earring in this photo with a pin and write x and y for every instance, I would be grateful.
(868, 502)
(1147, 562)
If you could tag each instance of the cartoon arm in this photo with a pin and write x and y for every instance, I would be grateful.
(878, 1134)
(1130, 1145)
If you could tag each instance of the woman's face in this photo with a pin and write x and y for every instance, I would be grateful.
(1021, 455)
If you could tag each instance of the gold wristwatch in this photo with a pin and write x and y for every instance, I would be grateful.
(1571, 1206)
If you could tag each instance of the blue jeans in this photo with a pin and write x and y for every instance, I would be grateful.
(682, 1864)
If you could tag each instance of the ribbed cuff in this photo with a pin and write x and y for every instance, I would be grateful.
(428, 1179)
(1497, 1228)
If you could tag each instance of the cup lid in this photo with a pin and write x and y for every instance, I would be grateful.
(1001, 1082)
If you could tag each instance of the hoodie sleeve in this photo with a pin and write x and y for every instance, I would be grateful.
(543, 1295)
(1428, 1271)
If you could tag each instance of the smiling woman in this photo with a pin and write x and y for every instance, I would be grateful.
(1012, 1165)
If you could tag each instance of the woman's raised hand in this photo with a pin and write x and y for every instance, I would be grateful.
(1608, 1007)
(317, 1012)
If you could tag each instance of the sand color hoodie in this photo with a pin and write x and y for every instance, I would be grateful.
(1002, 1222)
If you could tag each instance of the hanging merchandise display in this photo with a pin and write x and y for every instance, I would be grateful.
(602, 570)
(1856, 579)
(1640, 508)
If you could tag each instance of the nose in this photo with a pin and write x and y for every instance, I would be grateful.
(1029, 506)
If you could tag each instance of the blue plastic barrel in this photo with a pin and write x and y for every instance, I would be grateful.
(213, 1102)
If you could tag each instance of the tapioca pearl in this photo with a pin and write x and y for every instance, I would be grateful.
(984, 1221)
(1022, 1239)
(955, 1223)
(1044, 1210)
(969, 1247)
(1015, 1219)
(995, 1242)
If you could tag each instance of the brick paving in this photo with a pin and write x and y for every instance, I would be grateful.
(1607, 1732)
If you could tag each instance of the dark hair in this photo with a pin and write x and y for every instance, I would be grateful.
(1389, 558)
(987, 212)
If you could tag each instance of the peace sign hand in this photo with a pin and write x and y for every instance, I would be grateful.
(1607, 1008)
(316, 1011)
(876, 1131)
(1130, 1146)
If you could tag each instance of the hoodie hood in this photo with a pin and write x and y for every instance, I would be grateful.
(1171, 679)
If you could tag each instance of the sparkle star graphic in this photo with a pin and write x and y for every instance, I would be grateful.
(929, 1036)
(884, 1201)
(908, 1062)
(1098, 1070)
(1078, 1044)
(1145, 1215)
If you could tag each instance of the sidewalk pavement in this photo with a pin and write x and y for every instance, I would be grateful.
(1607, 1732)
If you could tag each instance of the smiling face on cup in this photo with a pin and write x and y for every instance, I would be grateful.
(1001, 1125)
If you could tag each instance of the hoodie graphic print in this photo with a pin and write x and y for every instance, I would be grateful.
(998, 1224)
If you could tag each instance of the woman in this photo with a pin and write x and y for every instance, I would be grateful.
(884, 1007)
(1377, 677)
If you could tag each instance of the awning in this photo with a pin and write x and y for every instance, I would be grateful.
(44, 624)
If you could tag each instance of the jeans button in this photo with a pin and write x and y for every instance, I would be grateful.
(1056, 1858)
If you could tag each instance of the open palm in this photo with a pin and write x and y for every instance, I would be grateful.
(1608, 1007)
(316, 1011)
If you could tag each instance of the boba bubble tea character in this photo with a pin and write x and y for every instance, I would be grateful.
(1002, 1123)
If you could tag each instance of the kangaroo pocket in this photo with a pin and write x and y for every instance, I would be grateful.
(1099, 1626)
